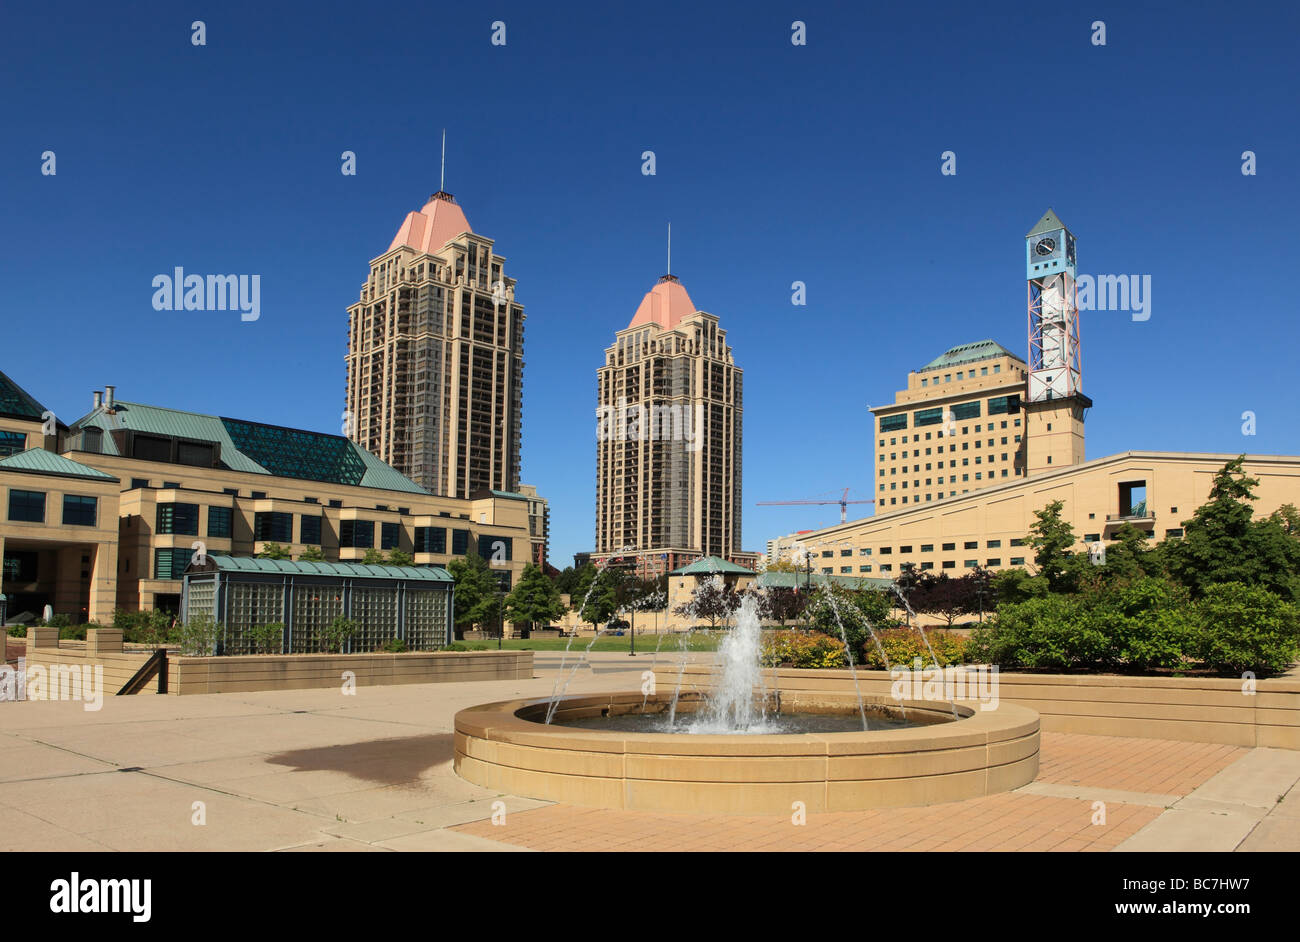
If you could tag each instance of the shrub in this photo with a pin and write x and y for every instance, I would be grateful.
(154, 627)
(268, 638)
(802, 649)
(857, 611)
(902, 646)
(393, 646)
(1149, 623)
(74, 632)
(1247, 628)
(199, 636)
(1056, 632)
(336, 634)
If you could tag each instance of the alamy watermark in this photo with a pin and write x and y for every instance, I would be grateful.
(1116, 293)
(969, 682)
(84, 682)
(181, 292)
(639, 423)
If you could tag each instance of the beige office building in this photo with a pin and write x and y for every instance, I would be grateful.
(963, 461)
(435, 357)
(107, 512)
(668, 452)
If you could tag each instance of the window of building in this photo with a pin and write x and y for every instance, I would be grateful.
(459, 542)
(905, 549)
(431, 540)
(1017, 560)
(219, 519)
(27, 507)
(886, 567)
(170, 563)
(389, 535)
(179, 519)
(971, 564)
(893, 423)
(864, 569)
(993, 562)
(846, 569)
(1174, 532)
(971, 544)
(309, 528)
(846, 552)
(886, 550)
(927, 417)
(137, 483)
(259, 495)
(865, 551)
(1091, 537)
(273, 526)
(357, 534)
(948, 564)
(79, 511)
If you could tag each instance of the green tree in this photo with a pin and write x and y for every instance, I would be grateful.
(312, 554)
(398, 558)
(598, 595)
(373, 557)
(1222, 543)
(1053, 540)
(535, 599)
(476, 598)
(274, 551)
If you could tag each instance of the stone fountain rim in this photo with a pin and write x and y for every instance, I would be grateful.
(499, 721)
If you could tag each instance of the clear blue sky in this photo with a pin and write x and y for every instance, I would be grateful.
(775, 163)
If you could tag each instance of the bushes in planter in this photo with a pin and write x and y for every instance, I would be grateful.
(1247, 628)
(809, 649)
(902, 646)
(1144, 625)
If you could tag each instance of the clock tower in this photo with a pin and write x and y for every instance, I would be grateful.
(1054, 404)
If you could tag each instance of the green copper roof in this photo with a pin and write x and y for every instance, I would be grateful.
(256, 448)
(1049, 223)
(347, 570)
(15, 401)
(797, 580)
(709, 565)
(968, 353)
(40, 461)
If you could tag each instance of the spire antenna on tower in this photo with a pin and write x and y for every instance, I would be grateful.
(442, 177)
(670, 248)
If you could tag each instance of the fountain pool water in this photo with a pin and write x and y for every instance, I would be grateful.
(702, 750)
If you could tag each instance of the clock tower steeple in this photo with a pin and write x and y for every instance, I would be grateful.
(1055, 404)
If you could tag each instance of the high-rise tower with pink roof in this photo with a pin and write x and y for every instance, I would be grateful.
(668, 450)
(435, 357)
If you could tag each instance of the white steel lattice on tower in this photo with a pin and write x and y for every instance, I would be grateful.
(1055, 367)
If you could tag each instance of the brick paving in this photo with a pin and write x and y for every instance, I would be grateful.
(1005, 822)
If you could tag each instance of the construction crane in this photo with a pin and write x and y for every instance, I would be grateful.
(843, 502)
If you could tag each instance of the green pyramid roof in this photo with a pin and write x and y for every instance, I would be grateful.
(968, 353)
(1049, 223)
(709, 565)
(17, 402)
(257, 448)
(40, 461)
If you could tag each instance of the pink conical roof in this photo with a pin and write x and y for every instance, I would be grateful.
(431, 228)
(665, 304)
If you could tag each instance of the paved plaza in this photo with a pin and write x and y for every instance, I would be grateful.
(318, 770)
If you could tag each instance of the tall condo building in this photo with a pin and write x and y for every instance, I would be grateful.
(435, 357)
(668, 453)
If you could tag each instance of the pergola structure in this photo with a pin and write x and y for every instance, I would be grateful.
(413, 604)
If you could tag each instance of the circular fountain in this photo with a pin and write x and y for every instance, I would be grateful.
(740, 746)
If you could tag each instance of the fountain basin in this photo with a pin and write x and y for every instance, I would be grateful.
(505, 746)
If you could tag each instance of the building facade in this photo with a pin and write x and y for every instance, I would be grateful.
(669, 412)
(957, 427)
(110, 511)
(435, 357)
(1154, 491)
(981, 439)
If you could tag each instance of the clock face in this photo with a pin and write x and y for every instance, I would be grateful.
(1045, 246)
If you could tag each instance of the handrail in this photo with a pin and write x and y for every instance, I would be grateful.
(157, 664)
